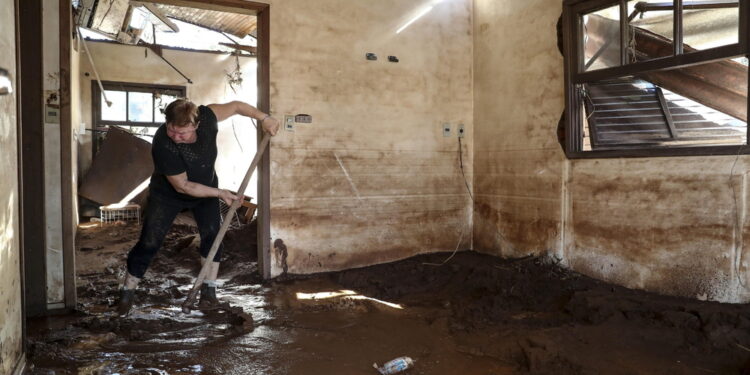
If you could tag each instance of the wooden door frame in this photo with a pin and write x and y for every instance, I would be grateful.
(31, 156)
(262, 12)
(20, 365)
(69, 212)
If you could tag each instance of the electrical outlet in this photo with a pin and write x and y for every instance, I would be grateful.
(460, 130)
(446, 130)
(289, 123)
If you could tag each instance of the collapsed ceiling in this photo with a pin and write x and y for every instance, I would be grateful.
(238, 25)
(108, 16)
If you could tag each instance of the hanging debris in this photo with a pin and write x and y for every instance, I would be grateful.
(234, 78)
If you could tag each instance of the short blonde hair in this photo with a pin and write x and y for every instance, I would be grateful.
(181, 113)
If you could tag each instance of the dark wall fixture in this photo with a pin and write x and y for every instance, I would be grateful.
(6, 85)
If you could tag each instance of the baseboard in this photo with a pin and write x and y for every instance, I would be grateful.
(20, 365)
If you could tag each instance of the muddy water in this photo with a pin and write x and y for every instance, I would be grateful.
(473, 315)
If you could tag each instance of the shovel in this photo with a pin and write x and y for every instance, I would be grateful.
(190, 300)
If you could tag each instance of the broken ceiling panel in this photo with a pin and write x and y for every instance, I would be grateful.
(634, 112)
(119, 169)
(108, 16)
(238, 25)
(721, 85)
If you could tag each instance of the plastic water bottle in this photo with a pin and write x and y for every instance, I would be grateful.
(395, 366)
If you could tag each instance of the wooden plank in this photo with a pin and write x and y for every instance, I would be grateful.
(664, 63)
(232, 6)
(251, 49)
(158, 13)
(719, 86)
(667, 114)
(152, 88)
(88, 40)
(109, 16)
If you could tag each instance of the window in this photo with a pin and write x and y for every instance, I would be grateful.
(135, 107)
(655, 77)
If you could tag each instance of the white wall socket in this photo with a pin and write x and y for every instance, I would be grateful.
(289, 123)
(446, 130)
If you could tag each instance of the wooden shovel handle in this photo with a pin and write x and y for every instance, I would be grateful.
(225, 225)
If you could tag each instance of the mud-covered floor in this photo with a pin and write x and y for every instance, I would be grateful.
(474, 314)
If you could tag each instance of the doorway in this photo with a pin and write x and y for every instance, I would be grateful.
(158, 16)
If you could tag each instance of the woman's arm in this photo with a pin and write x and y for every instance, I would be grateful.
(226, 110)
(181, 183)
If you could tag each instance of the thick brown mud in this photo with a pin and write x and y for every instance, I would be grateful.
(474, 314)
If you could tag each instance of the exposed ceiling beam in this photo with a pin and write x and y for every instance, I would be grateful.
(250, 49)
(709, 4)
(721, 85)
(158, 14)
(232, 6)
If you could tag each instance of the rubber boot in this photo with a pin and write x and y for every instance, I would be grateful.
(208, 300)
(127, 298)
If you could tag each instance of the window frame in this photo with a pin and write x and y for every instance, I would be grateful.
(576, 75)
(127, 87)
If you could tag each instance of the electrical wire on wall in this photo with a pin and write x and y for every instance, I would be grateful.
(468, 189)
(473, 202)
(461, 163)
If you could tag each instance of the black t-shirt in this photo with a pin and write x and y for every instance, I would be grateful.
(197, 159)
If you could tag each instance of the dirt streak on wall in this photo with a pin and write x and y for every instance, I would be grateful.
(518, 99)
(11, 345)
(661, 224)
(372, 179)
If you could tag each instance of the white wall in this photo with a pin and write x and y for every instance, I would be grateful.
(372, 179)
(52, 161)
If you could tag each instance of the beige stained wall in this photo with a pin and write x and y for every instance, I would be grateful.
(208, 71)
(518, 164)
(52, 166)
(11, 345)
(669, 225)
(372, 179)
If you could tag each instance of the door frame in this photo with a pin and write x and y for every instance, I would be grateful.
(262, 12)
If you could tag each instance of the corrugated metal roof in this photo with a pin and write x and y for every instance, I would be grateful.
(238, 25)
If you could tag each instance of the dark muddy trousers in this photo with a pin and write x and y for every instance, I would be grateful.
(160, 213)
